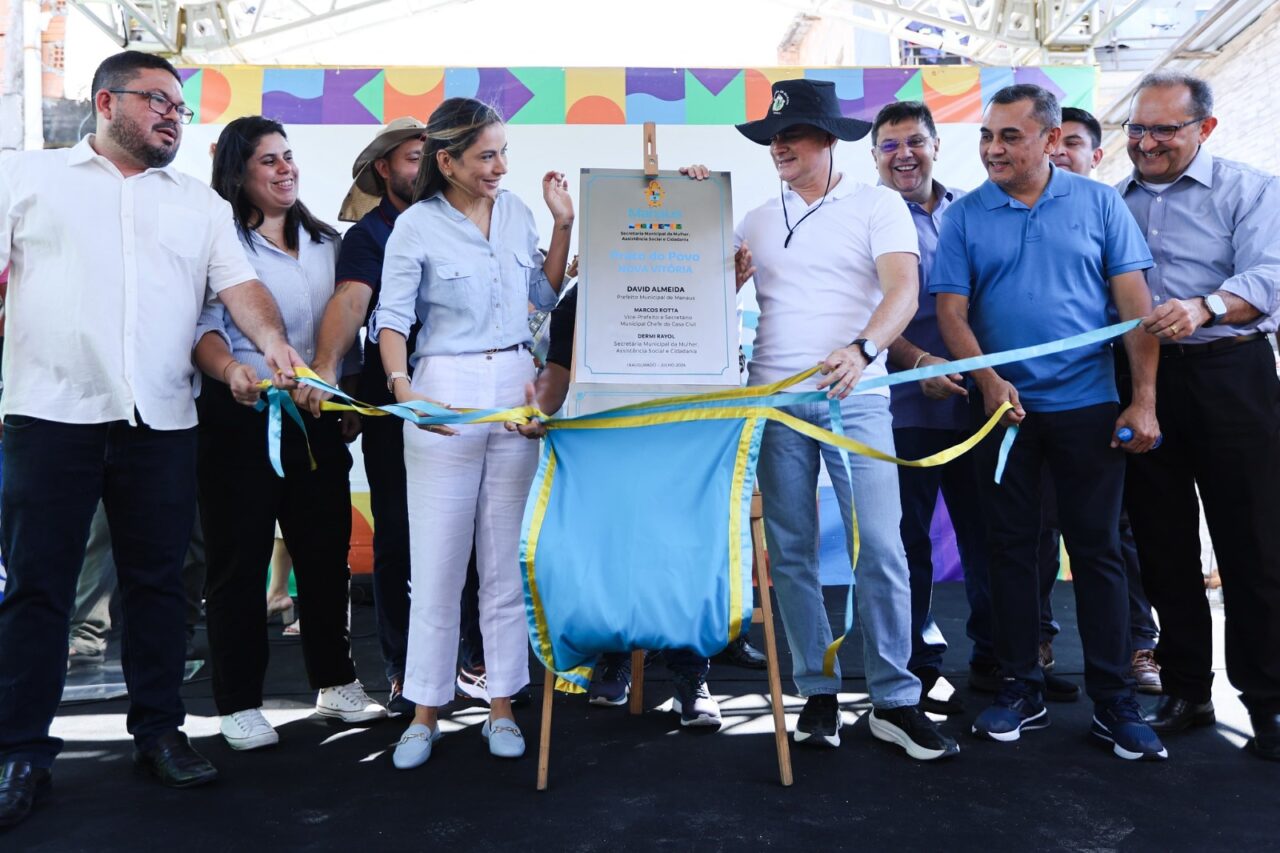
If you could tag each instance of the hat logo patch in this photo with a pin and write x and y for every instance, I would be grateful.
(780, 100)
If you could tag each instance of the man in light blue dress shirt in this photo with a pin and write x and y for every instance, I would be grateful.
(1211, 227)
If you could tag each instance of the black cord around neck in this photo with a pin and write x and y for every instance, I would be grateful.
(791, 230)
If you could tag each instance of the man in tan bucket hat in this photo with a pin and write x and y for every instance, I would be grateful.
(373, 169)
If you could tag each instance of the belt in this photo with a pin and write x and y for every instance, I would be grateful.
(492, 352)
(1192, 350)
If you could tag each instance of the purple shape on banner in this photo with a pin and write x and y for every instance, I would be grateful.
(665, 84)
(715, 79)
(502, 89)
(339, 104)
(185, 74)
(879, 87)
(290, 109)
(1037, 77)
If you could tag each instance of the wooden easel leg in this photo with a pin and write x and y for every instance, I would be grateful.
(775, 680)
(544, 738)
(637, 682)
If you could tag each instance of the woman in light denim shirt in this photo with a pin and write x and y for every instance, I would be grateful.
(464, 259)
(241, 497)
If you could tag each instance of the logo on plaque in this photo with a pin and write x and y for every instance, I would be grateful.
(653, 194)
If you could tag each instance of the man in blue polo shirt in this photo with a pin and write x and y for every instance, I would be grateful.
(1036, 254)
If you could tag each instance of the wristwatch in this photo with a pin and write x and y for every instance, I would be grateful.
(867, 347)
(1217, 308)
(392, 377)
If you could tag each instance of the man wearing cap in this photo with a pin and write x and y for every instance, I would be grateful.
(384, 174)
(834, 262)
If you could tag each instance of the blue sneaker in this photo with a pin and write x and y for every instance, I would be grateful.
(1119, 722)
(1017, 708)
(611, 684)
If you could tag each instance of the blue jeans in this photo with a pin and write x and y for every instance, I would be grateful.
(55, 473)
(958, 482)
(788, 475)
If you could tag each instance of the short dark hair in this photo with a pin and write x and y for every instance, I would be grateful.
(1086, 118)
(118, 70)
(1201, 91)
(897, 111)
(235, 146)
(1047, 111)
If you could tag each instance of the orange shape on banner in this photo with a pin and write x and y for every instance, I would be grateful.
(953, 93)
(215, 96)
(595, 109)
(396, 103)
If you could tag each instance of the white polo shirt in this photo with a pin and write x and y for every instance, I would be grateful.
(108, 278)
(817, 294)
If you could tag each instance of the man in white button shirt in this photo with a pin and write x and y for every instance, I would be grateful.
(113, 253)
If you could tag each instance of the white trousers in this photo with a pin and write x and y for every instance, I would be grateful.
(470, 486)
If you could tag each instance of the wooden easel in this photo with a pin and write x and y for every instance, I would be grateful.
(763, 613)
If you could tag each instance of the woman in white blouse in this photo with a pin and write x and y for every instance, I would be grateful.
(240, 495)
(464, 260)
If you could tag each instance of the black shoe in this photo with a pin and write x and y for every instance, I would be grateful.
(937, 696)
(743, 654)
(21, 787)
(1265, 742)
(1059, 689)
(1175, 715)
(985, 678)
(172, 760)
(397, 703)
(819, 723)
(910, 729)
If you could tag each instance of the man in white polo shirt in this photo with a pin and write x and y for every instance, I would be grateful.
(113, 254)
(835, 271)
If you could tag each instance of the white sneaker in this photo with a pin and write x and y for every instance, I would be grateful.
(349, 703)
(248, 730)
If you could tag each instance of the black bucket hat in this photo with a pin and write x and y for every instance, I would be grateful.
(804, 102)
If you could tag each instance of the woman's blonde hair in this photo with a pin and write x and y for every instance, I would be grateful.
(453, 127)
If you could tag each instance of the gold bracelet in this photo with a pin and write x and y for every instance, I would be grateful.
(922, 357)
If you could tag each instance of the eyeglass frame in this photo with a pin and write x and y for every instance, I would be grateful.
(923, 137)
(186, 115)
(1170, 129)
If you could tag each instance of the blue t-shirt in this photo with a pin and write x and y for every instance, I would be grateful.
(1038, 274)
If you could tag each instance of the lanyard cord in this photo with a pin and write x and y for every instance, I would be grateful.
(791, 230)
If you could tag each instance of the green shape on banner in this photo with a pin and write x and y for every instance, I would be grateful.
(1078, 85)
(702, 107)
(370, 95)
(547, 105)
(192, 90)
(913, 89)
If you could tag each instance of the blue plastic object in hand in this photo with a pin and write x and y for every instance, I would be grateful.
(1126, 434)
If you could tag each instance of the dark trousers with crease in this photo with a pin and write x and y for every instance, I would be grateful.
(241, 498)
(1220, 416)
(1089, 480)
(54, 475)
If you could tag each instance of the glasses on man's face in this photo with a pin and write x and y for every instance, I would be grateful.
(915, 143)
(1159, 132)
(160, 105)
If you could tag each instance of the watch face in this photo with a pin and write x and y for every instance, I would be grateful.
(870, 350)
(1217, 306)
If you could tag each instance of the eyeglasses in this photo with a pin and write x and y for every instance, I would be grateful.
(1159, 132)
(915, 143)
(160, 105)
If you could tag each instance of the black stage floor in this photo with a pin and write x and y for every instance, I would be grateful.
(641, 783)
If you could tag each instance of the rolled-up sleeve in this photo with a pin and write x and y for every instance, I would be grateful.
(1256, 244)
(213, 318)
(541, 294)
(228, 265)
(402, 273)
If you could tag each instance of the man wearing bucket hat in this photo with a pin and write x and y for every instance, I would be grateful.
(835, 263)
(384, 175)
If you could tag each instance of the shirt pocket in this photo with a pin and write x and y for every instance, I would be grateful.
(453, 287)
(522, 271)
(181, 231)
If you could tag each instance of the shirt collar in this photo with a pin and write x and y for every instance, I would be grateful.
(992, 196)
(1199, 170)
(388, 211)
(82, 152)
(941, 196)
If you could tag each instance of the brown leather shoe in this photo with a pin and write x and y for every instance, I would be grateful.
(1046, 654)
(1146, 672)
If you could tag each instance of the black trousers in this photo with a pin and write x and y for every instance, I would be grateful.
(241, 498)
(1089, 480)
(54, 475)
(1220, 416)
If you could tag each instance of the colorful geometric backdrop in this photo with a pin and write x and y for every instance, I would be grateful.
(954, 93)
